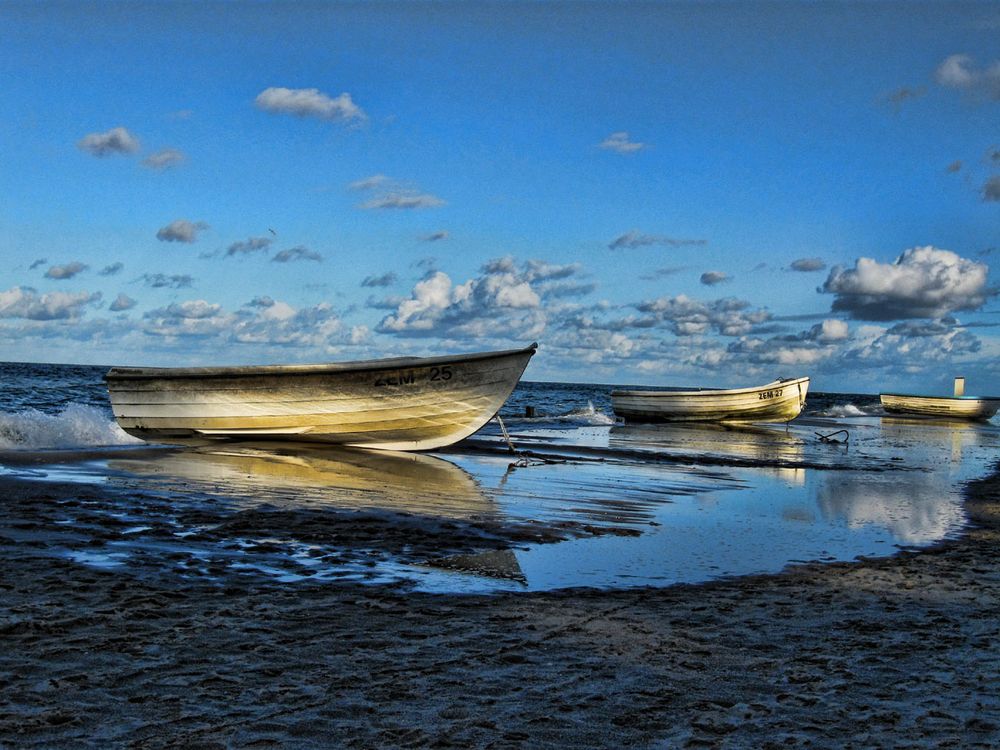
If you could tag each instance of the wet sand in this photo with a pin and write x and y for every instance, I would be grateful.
(894, 652)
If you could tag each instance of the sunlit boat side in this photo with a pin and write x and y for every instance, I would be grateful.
(943, 407)
(406, 403)
(777, 401)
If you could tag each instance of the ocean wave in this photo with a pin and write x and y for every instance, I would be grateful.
(586, 416)
(845, 410)
(76, 426)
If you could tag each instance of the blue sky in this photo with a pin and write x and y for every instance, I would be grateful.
(661, 193)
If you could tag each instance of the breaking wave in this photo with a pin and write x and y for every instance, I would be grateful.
(76, 426)
(587, 416)
(845, 410)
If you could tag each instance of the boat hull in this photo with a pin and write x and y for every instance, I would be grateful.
(395, 404)
(941, 407)
(778, 401)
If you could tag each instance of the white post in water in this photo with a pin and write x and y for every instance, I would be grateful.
(959, 386)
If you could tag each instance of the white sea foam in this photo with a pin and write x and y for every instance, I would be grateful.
(844, 410)
(76, 426)
(588, 416)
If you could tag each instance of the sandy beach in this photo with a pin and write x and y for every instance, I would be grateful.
(892, 652)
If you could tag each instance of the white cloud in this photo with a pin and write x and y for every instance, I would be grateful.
(403, 200)
(620, 143)
(181, 230)
(66, 272)
(806, 265)
(690, 317)
(293, 254)
(961, 72)
(634, 238)
(923, 282)
(23, 302)
(115, 141)
(309, 103)
(250, 245)
(172, 281)
(369, 183)
(112, 269)
(164, 159)
(508, 300)
(386, 279)
(390, 193)
(711, 278)
(122, 302)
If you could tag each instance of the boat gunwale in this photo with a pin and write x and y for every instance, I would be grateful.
(941, 398)
(117, 374)
(713, 391)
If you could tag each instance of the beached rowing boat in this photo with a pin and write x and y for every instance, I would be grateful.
(958, 406)
(778, 401)
(406, 403)
(944, 407)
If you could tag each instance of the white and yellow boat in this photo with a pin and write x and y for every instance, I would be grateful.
(405, 403)
(778, 401)
(958, 406)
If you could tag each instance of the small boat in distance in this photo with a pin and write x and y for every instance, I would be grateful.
(778, 401)
(958, 406)
(404, 403)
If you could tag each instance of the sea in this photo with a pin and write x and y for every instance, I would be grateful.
(556, 494)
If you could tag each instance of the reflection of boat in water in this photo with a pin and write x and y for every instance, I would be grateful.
(346, 477)
(750, 443)
(406, 403)
(778, 401)
(954, 435)
(958, 406)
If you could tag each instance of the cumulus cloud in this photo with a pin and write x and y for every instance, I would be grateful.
(250, 245)
(181, 230)
(620, 143)
(923, 282)
(991, 190)
(388, 193)
(806, 265)
(711, 278)
(164, 159)
(635, 238)
(122, 302)
(829, 330)
(293, 254)
(386, 279)
(24, 302)
(66, 272)
(262, 322)
(505, 301)
(160, 280)
(115, 141)
(309, 103)
(112, 269)
(961, 72)
(689, 317)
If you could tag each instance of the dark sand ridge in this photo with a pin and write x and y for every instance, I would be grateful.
(895, 652)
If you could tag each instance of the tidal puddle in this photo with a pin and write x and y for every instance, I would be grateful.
(606, 506)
